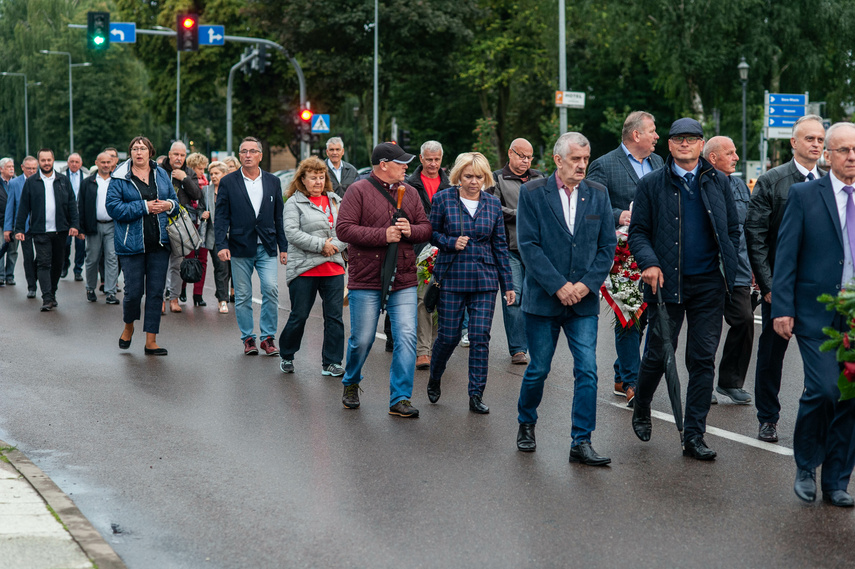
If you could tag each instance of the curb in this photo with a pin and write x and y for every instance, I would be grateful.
(81, 530)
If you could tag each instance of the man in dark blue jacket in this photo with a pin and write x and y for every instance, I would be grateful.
(684, 234)
(248, 228)
(567, 241)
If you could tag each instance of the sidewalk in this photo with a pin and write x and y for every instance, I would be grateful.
(40, 527)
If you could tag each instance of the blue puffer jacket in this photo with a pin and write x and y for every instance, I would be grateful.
(657, 223)
(126, 206)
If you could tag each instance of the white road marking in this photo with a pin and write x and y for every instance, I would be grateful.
(777, 449)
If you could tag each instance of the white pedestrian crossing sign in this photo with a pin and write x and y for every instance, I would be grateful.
(320, 123)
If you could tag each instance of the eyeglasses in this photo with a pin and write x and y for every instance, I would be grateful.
(682, 139)
(522, 157)
(139, 149)
(843, 150)
(249, 151)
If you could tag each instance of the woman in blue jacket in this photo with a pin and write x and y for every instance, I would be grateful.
(139, 199)
(472, 264)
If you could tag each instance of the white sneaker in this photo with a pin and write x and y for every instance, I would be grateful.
(224, 307)
(464, 340)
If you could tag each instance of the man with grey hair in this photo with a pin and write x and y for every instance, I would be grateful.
(720, 151)
(567, 242)
(342, 174)
(428, 179)
(7, 172)
(96, 228)
(765, 212)
(507, 182)
(75, 172)
(620, 170)
(186, 185)
(30, 167)
(815, 249)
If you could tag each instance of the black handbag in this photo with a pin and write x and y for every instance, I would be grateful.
(191, 270)
(431, 299)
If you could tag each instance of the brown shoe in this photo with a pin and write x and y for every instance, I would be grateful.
(249, 347)
(519, 359)
(620, 389)
(423, 362)
(174, 306)
(269, 347)
(630, 396)
(163, 310)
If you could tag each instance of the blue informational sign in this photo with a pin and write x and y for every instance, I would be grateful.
(782, 121)
(786, 111)
(320, 123)
(787, 99)
(212, 35)
(123, 32)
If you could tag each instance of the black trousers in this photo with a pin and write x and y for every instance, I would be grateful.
(771, 349)
(303, 291)
(736, 354)
(29, 254)
(703, 307)
(50, 251)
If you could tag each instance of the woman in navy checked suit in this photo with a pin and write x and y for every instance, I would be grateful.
(472, 264)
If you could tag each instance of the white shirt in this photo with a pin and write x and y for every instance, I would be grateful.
(841, 197)
(101, 199)
(255, 191)
(569, 206)
(471, 206)
(50, 201)
(336, 171)
(804, 171)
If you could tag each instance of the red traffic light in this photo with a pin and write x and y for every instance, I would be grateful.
(188, 22)
(306, 115)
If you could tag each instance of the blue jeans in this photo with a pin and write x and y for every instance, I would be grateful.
(542, 335)
(242, 277)
(513, 314)
(364, 313)
(627, 346)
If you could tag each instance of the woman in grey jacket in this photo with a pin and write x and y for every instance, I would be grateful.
(315, 264)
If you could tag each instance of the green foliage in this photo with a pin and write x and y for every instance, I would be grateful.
(485, 141)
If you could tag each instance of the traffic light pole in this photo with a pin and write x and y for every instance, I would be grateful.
(178, 95)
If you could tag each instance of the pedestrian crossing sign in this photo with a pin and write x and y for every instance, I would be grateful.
(320, 123)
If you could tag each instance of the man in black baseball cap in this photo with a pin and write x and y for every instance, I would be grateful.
(390, 152)
(685, 237)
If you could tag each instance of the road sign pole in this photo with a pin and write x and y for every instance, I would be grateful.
(178, 95)
(562, 66)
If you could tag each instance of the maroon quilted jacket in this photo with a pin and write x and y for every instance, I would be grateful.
(362, 223)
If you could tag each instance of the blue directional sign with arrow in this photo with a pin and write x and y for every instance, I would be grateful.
(212, 35)
(786, 110)
(123, 32)
(787, 99)
(782, 121)
(320, 123)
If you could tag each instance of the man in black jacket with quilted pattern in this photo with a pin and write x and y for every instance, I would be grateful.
(685, 237)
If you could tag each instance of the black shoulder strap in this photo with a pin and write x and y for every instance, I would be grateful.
(380, 189)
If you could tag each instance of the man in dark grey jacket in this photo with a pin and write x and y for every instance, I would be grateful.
(765, 212)
(342, 174)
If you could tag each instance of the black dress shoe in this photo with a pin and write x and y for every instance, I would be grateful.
(183, 296)
(124, 344)
(839, 498)
(156, 352)
(433, 390)
(768, 432)
(525, 438)
(697, 448)
(641, 423)
(64, 273)
(198, 300)
(584, 453)
(477, 406)
(31, 294)
(805, 485)
(78, 277)
(90, 296)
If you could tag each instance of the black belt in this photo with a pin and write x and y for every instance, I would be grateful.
(109, 221)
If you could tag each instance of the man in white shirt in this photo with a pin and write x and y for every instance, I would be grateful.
(75, 174)
(48, 200)
(96, 226)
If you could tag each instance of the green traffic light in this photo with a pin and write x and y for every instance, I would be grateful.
(98, 40)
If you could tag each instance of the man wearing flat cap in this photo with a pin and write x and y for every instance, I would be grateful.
(366, 223)
(685, 237)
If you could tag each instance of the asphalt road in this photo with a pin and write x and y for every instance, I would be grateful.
(210, 459)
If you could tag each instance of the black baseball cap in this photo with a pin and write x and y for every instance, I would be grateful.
(390, 152)
(686, 126)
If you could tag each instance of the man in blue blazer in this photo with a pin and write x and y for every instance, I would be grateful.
(619, 171)
(248, 230)
(29, 166)
(566, 238)
(816, 242)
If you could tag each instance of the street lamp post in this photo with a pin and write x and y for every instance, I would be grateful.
(743, 77)
(376, 136)
(70, 94)
(26, 110)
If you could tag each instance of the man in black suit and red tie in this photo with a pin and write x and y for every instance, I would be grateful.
(816, 243)
(48, 200)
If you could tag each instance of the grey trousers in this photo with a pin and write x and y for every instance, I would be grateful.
(96, 243)
(173, 277)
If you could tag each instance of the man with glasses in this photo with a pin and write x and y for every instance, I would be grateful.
(507, 181)
(684, 232)
(765, 212)
(248, 229)
(29, 166)
(816, 244)
(619, 171)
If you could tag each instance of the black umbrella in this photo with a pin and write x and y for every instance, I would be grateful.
(390, 260)
(660, 331)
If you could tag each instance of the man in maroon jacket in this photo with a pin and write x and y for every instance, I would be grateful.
(366, 224)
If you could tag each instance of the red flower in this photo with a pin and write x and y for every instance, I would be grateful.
(626, 273)
(634, 277)
(633, 266)
(615, 269)
(846, 341)
(849, 371)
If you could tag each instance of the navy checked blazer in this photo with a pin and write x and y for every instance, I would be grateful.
(484, 264)
(614, 171)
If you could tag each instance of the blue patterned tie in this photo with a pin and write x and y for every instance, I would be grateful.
(810, 177)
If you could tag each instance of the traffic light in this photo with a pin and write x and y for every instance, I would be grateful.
(263, 57)
(306, 116)
(188, 32)
(406, 139)
(98, 30)
(306, 124)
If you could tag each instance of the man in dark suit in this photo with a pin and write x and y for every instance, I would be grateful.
(7, 172)
(567, 242)
(97, 228)
(29, 166)
(75, 172)
(47, 199)
(248, 229)
(765, 212)
(620, 170)
(342, 174)
(814, 256)
(684, 234)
